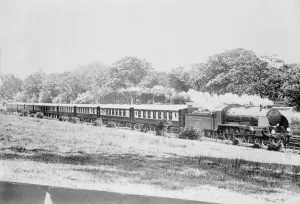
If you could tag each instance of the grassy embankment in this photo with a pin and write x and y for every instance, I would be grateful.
(78, 155)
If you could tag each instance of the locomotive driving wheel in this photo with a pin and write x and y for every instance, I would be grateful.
(250, 139)
(244, 139)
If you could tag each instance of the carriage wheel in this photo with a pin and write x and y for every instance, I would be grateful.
(223, 135)
(215, 135)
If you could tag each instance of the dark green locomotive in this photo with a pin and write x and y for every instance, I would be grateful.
(248, 123)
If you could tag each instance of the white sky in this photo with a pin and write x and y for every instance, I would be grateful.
(59, 35)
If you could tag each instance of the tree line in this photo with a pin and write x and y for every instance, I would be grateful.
(133, 80)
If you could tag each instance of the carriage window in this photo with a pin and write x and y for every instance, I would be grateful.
(120, 112)
(117, 112)
(144, 114)
(149, 114)
(140, 114)
(136, 113)
(170, 116)
(165, 115)
(154, 114)
(159, 115)
(124, 113)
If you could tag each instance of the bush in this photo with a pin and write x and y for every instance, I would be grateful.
(144, 128)
(111, 124)
(74, 120)
(98, 122)
(39, 115)
(295, 126)
(32, 115)
(162, 127)
(25, 112)
(190, 133)
(63, 118)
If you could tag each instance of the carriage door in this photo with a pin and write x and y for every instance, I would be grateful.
(98, 112)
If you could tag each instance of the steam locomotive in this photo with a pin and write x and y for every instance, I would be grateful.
(249, 123)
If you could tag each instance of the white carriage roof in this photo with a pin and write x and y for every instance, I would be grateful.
(119, 106)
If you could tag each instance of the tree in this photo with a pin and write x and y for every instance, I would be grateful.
(290, 85)
(179, 79)
(10, 86)
(20, 97)
(32, 84)
(85, 98)
(49, 88)
(128, 72)
(154, 78)
(238, 71)
(198, 77)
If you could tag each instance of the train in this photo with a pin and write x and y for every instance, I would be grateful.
(252, 124)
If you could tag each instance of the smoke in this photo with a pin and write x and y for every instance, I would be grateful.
(208, 101)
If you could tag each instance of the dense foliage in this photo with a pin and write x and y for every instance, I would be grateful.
(134, 80)
(190, 133)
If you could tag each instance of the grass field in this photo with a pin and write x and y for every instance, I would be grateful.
(78, 155)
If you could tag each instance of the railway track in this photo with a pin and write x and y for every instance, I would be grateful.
(293, 144)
